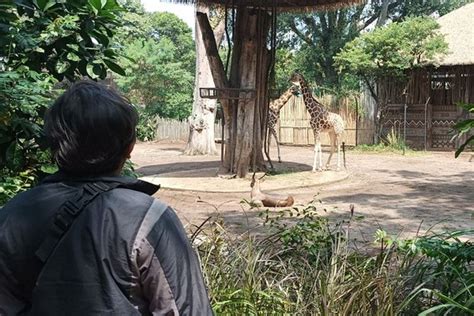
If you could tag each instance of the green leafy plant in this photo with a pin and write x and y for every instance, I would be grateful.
(66, 39)
(146, 128)
(299, 263)
(464, 128)
(41, 44)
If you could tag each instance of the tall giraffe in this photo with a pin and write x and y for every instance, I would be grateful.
(321, 121)
(274, 114)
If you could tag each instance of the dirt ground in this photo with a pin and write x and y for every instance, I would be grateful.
(400, 194)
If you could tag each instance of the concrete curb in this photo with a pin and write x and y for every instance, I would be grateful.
(156, 180)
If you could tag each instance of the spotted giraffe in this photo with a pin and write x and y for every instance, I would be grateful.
(274, 114)
(322, 121)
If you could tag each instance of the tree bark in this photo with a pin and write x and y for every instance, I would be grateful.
(383, 16)
(249, 70)
(201, 122)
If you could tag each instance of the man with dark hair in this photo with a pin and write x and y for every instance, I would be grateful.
(87, 241)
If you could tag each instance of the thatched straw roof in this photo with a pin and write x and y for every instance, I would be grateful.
(282, 5)
(458, 28)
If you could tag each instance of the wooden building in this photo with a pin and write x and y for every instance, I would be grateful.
(435, 91)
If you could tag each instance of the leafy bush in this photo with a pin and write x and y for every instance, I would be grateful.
(41, 43)
(301, 264)
(465, 127)
(146, 128)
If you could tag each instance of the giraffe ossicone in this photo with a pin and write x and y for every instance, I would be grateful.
(322, 121)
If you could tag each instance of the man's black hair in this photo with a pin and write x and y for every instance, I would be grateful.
(90, 129)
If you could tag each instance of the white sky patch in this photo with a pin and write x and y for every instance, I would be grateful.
(183, 11)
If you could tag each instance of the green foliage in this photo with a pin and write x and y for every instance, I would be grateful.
(443, 272)
(67, 39)
(12, 185)
(465, 127)
(159, 55)
(392, 50)
(43, 42)
(426, 7)
(395, 141)
(128, 170)
(146, 128)
(310, 234)
(294, 267)
(24, 96)
(315, 38)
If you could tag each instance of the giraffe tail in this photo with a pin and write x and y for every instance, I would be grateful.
(344, 154)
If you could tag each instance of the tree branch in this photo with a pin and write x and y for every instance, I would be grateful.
(300, 34)
(215, 62)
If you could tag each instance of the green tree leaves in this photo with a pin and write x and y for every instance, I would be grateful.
(64, 38)
(41, 43)
(158, 53)
(392, 50)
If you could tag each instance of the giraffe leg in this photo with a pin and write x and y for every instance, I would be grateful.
(315, 156)
(338, 153)
(278, 145)
(269, 140)
(332, 140)
(320, 166)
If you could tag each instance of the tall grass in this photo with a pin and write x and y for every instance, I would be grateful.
(300, 264)
(392, 143)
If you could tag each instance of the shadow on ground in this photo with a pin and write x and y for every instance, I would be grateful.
(172, 169)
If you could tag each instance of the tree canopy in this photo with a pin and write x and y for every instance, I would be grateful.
(392, 50)
(315, 38)
(158, 54)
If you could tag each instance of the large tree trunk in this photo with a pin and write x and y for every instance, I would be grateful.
(249, 71)
(244, 118)
(201, 122)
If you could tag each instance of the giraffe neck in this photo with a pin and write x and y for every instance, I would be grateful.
(283, 99)
(276, 105)
(312, 105)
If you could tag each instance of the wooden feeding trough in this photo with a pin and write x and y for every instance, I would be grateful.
(242, 85)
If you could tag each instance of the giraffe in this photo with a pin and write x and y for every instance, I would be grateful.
(321, 121)
(274, 114)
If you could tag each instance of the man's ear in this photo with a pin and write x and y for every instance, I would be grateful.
(130, 149)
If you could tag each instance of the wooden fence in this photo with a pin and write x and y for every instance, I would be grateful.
(174, 130)
(294, 127)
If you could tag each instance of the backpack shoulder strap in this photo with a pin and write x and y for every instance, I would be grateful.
(67, 213)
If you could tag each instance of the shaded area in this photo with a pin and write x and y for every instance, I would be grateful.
(171, 168)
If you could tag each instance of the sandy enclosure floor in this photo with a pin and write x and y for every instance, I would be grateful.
(400, 194)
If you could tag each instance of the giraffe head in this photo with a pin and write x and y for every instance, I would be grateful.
(297, 78)
(295, 90)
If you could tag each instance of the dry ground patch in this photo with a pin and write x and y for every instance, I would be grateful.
(400, 194)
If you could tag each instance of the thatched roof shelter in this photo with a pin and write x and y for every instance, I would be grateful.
(435, 90)
(242, 87)
(282, 5)
(458, 29)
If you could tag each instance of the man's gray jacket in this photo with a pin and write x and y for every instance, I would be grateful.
(125, 254)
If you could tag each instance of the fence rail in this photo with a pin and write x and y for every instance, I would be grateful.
(294, 127)
(175, 130)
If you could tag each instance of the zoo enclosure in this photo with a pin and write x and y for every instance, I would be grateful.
(293, 126)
